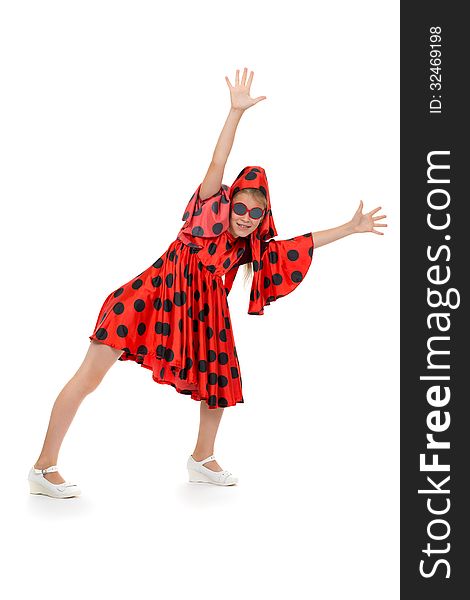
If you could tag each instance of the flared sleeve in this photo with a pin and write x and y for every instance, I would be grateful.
(283, 265)
(208, 217)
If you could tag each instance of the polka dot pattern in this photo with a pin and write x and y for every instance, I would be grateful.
(174, 320)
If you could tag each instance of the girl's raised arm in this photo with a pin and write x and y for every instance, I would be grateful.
(360, 223)
(240, 100)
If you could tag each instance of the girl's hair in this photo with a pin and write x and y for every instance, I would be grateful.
(259, 197)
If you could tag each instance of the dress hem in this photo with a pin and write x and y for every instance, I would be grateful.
(140, 360)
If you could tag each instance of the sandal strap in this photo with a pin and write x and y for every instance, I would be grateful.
(48, 470)
(209, 458)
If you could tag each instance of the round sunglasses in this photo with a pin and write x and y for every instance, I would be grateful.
(239, 208)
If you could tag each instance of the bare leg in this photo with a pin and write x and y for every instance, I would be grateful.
(208, 426)
(98, 360)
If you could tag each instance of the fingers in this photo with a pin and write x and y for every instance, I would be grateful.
(379, 217)
(259, 98)
(380, 225)
(228, 82)
(377, 232)
(374, 211)
(237, 77)
(245, 70)
(250, 79)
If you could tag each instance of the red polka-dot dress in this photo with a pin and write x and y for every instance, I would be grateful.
(174, 318)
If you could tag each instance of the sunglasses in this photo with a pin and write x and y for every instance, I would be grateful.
(239, 208)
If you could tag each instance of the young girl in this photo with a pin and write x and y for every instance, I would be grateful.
(174, 318)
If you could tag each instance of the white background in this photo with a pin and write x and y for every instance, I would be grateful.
(110, 114)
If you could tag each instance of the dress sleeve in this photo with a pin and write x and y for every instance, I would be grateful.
(206, 218)
(283, 265)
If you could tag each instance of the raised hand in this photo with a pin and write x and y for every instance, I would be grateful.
(240, 92)
(366, 222)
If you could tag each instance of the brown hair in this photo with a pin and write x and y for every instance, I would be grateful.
(259, 197)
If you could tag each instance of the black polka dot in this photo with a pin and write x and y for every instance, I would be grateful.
(142, 350)
(118, 292)
(226, 263)
(197, 295)
(215, 207)
(222, 381)
(251, 175)
(212, 401)
(137, 283)
(296, 276)
(211, 268)
(171, 256)
(198, 230)
(158, 263)
(180, 324)
(212, 248)
(188, 363)
(227, 322)
(122, 331)
(292, 255)
(157, 281)
(217, 228)
(169, 280)
(266, 282)
(273, 257)
(195, 325)
(162, 328)
(162, 372)
(169, 354)
(141, 328)
(255, 266)
(139, 305)
(310, 251)
(223, 402)
(167, 305)
(223, 335)
(212, 378)
(118, 308)
(190, 279)
(277, 278)
(234, 372)
(101, 334)
(157, 303)
(223, 358)
(160, 350)
(202, 366)
(180, 298)
(211, 356)
(103, 317)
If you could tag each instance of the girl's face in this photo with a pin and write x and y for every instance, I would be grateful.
(238, 222)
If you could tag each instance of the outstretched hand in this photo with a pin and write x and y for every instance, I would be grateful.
(366, 222)
(240, 92)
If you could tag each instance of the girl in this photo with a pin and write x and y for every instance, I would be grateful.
(174, 318)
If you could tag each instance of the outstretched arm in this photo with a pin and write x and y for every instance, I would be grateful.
(240, 101)
(360, 223)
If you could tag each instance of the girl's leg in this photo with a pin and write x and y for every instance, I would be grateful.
(208, 426)
(98, 360)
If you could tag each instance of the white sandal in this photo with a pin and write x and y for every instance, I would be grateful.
(198, 473)
(38, 484)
